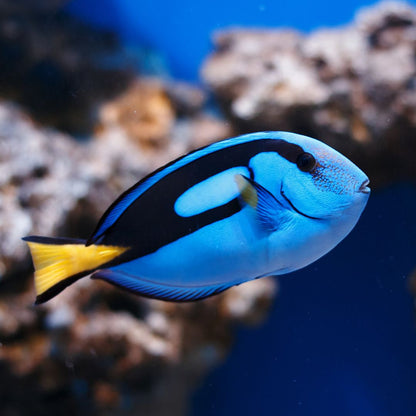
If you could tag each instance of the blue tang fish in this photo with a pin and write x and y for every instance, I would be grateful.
(256, 205)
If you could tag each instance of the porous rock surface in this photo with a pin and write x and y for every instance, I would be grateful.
(352, 87)
(95, 348)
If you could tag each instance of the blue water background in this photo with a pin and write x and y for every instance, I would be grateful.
(340, 338)
(181, 30)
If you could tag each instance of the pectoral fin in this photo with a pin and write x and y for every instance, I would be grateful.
(268, 208)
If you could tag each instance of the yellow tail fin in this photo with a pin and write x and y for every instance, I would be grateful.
(59, 264)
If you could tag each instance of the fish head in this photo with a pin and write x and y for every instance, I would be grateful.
(321, 183)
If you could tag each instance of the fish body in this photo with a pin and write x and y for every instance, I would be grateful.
(255, 205)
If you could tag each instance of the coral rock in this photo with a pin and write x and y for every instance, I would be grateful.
(144, 112)
(352, 87)
(94, 348)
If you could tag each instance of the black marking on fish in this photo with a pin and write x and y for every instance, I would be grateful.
(251, 172)
(150, 221)
(52, 240)
(294, 208)
(59, 287)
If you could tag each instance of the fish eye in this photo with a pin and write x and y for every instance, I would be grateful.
(306, 162)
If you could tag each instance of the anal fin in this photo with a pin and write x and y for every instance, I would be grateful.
(154, 290)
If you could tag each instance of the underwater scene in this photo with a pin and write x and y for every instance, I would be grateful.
(238, 179)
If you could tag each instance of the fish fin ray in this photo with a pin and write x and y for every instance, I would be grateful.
(267, 207)
(154, 290)
(60, 262)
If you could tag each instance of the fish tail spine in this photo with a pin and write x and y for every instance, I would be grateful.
(60, 262)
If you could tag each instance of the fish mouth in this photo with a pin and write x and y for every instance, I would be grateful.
(364, 188)
(293, 206)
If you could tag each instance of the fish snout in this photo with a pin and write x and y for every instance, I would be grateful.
(364, 187)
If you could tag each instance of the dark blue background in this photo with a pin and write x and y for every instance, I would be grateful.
(340, 339)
